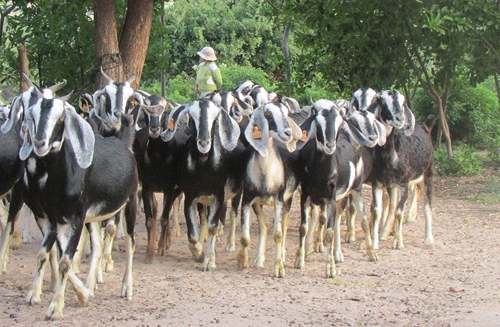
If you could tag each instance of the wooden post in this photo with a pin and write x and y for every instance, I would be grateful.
(23, 66)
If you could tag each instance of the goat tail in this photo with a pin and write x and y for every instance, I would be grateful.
(431, 121)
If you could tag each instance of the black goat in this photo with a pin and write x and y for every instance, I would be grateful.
(406, 158)
(210, 168)
(157, 163)
(332, 167)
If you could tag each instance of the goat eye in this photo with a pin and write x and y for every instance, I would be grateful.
(268, 114)
(61, 118)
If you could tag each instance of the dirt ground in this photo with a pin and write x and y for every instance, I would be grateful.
(455, 282)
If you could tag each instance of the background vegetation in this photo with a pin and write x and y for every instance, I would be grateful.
(443, 55)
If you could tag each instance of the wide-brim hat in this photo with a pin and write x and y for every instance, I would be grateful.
(207, 53)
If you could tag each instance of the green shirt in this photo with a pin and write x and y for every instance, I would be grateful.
(208, 77)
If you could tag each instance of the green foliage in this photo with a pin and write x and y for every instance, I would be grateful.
(179, 89)
(59, 39)
(241, 32)
(466, 161)
(234, 75)
(472, 112)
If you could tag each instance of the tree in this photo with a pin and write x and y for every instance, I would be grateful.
(385, 44)
(124, 58)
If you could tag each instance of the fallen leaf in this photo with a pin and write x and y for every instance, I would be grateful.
(454, 290)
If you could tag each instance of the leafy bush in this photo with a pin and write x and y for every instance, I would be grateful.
(179, 89)
(465, 161)
(472, 113)
(234, 75)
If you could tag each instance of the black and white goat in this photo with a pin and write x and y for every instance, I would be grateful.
(210, 168)
(74, 177)
(405, 159)
(110, 117)
(11, 167)
(157, 163)
(332, 168)
(234, 102)
(270, 178)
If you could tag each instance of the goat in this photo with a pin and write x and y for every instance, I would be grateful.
(234, 103)
(85, 104)
(405, 159)
(332, 167)
(210, 168)
(270, 177)
(112, 103)
(75, 177)
(11, 167)
(157, 163)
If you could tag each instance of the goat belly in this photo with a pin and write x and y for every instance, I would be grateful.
(266, 175)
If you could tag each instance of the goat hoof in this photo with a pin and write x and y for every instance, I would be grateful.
(397, 245)
(330, 271)
(339, 257)
(299, 263)
(242, 259)
(55, 309)
(149, 260)
(27, 238)
(230, 248)
(109, 265)
(279, 270)
(16, 241)
(162, 251)
(319, 248)
(372, 255)
(258, 262)
(32, 298)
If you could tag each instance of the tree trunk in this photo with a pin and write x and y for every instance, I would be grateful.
(444, 126)
(135, 38)
(106, 42)
(497, 86)
(162, 75)
(23, 67)
(286, 54)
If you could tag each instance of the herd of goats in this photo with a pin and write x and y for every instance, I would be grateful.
(79, 171)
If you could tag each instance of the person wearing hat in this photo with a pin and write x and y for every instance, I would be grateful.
(208, 76)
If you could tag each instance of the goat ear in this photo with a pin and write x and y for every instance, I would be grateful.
(381, 132)
(138, 117)
(27, 129)
(14, 115)
(80, 135)
(229, 131)
(257, 133)
(244, 106)
(409, 126)
(175, 115)
(296, 135)
(139, 97)
(308, 128)
(354, 134)
(97, 94)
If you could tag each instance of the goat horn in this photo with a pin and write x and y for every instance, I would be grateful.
(59, 86)
(109, 79)
(66, 97)
(131, 79)
(27, 80)
(312, 101)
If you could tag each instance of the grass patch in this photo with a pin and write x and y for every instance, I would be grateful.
(490, 192)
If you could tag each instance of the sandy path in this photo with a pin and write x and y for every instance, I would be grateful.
(454, 283)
